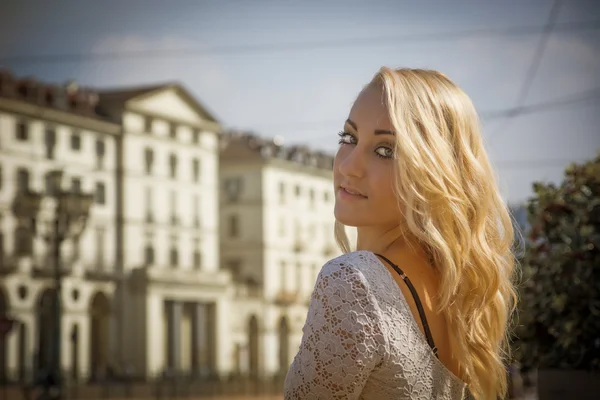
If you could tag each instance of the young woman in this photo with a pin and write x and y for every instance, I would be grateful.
(420, 309)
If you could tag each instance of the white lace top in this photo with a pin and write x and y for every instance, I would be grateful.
(360, 340)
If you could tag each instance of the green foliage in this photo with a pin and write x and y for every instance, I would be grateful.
(559, 305)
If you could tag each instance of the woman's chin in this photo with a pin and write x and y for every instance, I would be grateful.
(346, 218)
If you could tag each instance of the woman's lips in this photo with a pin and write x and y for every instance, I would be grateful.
(350, 193)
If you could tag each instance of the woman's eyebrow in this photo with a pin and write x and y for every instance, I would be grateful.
(376, 132)
(352, 124)
(384, 132)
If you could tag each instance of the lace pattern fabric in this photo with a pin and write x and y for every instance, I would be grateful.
(360, 340)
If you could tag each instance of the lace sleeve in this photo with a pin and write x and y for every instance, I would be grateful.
(342, 340)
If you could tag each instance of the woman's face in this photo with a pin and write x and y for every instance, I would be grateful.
(363, 172)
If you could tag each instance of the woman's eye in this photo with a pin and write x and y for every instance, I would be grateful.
(384, 152)
(346, 138)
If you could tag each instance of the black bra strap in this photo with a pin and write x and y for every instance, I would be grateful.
(417, 302)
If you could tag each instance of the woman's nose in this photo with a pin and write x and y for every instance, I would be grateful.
(352, 162)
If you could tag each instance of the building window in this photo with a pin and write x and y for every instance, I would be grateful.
(100, 148)
(196, 169)
(173, 207)
(22, 180)
(75, 141)
(326, 197)
(298, 190)
(100, 193)
(282, 192)
(149, 202)
(235, 267)
(100, 151)
(76, 185)
(195, 136)
(311, 195)
(197, 255)
(233, 188)
(174, 255)
(148, 160)
(173, 131)
(50, 141)
(23, 241)
(197, 259)
(100, 241)
(149, 255)
(148, 125)
(233, 226)
(196, 207)
(22, 131)
(173, 165)
(76, 243)
(49, 184)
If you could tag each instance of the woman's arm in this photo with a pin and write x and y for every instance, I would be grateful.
(342, 340)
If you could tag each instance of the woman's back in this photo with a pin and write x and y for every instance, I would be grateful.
(424, 278)
(361, 341)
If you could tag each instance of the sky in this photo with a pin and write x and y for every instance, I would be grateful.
(293, 68)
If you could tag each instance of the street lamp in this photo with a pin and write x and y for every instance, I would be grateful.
(68, 219)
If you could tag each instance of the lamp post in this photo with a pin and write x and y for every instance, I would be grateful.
(68, 219)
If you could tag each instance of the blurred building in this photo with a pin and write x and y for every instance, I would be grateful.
(174, 303)
(276, 234)
(201, 250)
(45, 128)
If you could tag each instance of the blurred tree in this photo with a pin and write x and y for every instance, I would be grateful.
(559, 295)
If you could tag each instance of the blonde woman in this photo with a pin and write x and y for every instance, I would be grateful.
(420, 309)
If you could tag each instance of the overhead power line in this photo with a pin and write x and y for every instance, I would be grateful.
(539, 54)
(512, 112)
(535, 64)
(588, 95)
(236, 49)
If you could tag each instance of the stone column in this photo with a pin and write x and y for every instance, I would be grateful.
(213, 346)
(199, 356)
(174, 315)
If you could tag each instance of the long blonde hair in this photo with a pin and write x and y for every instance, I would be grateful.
(451, 203)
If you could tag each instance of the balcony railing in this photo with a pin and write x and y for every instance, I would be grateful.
(45, 269)
(99, 272)
(286, 298)
(7, 265)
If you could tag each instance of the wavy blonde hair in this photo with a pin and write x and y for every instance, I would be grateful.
(452, 207)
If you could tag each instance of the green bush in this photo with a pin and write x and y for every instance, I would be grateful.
(559, 293)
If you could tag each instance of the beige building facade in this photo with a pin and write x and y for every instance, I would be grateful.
(276, 234)
(201, 248)
(175, 299)
(44, 128)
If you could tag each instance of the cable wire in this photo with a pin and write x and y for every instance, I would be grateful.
(533, 67)
(293, 46)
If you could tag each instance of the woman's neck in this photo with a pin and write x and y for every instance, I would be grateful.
(380, 240)
(391, 242)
